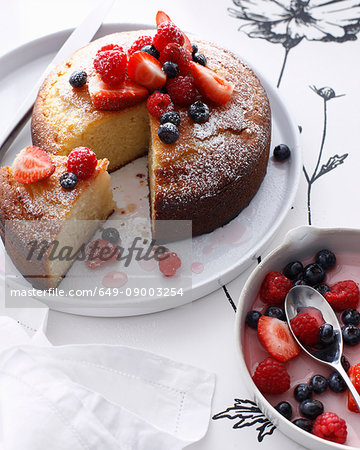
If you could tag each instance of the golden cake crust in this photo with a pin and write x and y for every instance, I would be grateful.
(210, 173)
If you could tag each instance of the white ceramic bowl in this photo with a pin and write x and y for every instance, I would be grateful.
(298, 244)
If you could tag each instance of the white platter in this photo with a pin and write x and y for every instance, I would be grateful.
(222, 254)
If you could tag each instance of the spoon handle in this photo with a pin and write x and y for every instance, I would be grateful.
(349, 384)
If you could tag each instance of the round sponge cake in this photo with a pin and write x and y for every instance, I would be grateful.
(207, 176)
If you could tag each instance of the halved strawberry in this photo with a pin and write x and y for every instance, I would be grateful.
(163, 17)
(315, 313)
(107, 98)
(146, 70)
(354, 374)
(32, 164)
(276, 337)
(211, 85)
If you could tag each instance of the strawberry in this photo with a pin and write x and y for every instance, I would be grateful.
(107, 98)
(211, 85)
(354, 375)
(146, 70)
(276, 337)
(32, 164)
(163, 17)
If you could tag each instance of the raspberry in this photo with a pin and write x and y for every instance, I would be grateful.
(139, 44)
(271, 377)
(159, 103)
(177, 54)
(306, 329)
(343, 295)
(331, 427)
(182, 90)
(167, 32)
(100, 252)
(82, 162)
(110, 63)
(169, 264)
(274, 288)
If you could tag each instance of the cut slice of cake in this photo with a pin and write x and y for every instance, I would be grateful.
(44, 211)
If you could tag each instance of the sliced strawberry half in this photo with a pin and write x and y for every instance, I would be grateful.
(212, 86)
(163, 17)
(32, 164)
(354, 375)
(146, 70)
(276, 337)
(107, 98)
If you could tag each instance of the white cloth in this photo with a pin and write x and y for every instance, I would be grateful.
(96, 397)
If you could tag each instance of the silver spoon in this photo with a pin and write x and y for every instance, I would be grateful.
(306, 297)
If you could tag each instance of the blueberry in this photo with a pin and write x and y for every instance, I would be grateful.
(168, 133)
(293, 270)
(284, 409)
(336, 383)
(304, 424)
(170, 116)
(302, 392)
(281, 152)
(318, 384)
(322, 288)
(151, 50)
(275, 311)
(314, 274)
(200, 59)
(351, 335)
(199, 111)
(326, 259)
(311, 408)
(68, 180)
(326, 334)
(195, 48)
(345, 363)
(350, 317)
(171, 69)
(78, 78)
(111, 234)
(252, 318)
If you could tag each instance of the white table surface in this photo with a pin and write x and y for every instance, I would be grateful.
(202, 333)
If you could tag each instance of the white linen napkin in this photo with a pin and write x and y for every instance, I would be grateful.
(96, 397)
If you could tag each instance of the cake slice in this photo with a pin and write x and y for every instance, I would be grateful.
(43, 211)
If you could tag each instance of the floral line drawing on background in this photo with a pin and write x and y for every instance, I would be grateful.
(288, 22)
(326, 93)
(247, 414)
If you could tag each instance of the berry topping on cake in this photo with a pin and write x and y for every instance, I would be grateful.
(110, 64)
(100, 252)
(170, 116)
(331, 427)
(195, 49)
(167, 32)
(179, 55)
(343, 295)
(281, 152)
(171, 69)
(123, 96)
(111, 234)
(276, 337)
(271, 377)
(146, 70)
(68, 180)
(78, 78)
(32, 164)
(162, 17)
(169, 264)
(306, 329)
(138, 45)
(182, 90)
(200, 58)
(199, 112)
(274, 288)
(82, 162)
(211, 85)
(151, 50)
(168, 133)
(354, 375)
(157, 104)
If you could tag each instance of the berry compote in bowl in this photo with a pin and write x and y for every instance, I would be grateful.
(304, 398)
